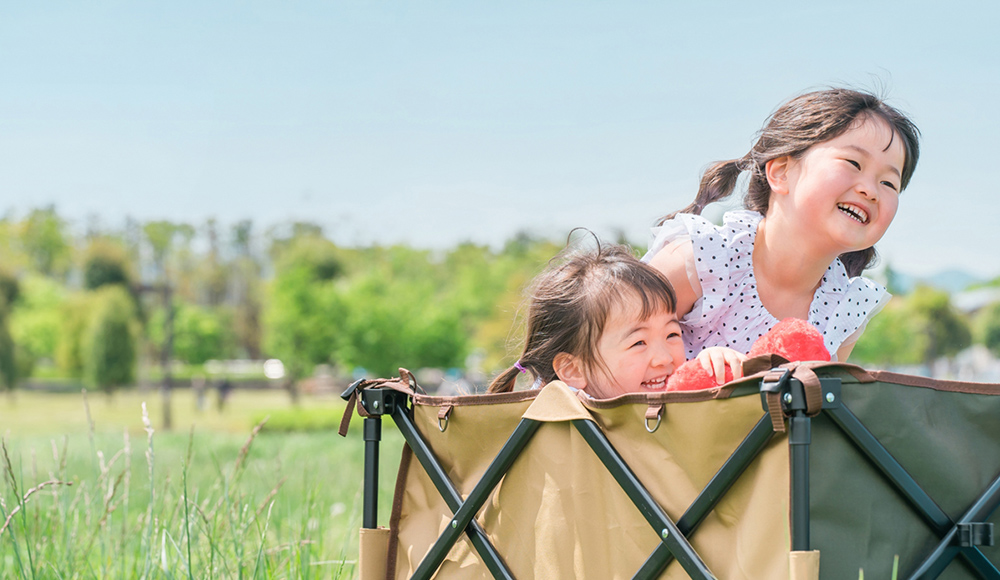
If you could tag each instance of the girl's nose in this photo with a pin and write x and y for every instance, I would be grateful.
(662, 356)
(867, 188)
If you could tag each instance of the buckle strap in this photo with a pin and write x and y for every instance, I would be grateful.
(772, 396)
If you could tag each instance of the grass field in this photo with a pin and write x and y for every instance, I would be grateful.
(225, 502)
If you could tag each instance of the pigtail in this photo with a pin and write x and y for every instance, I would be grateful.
(856, 262)
(717, 183)
(504, 382)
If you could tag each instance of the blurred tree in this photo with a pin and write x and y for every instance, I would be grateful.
(245, 285)
(161, 236)
(74, 321)
(44, 238)
(200, 333)
(389, 323)
(304, 310)
(213, 274)
(8, 357)
(37, 318)
(947, 331)
(105, 262)
(893, 337)
(10, 287)
(989, 324)
(10, 290)
(109, 343)
(284, 236)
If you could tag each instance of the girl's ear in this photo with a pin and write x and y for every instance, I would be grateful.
(777, 174)
(569, 369)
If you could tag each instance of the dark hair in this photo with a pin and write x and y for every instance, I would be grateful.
(791, 130)
(570, 303)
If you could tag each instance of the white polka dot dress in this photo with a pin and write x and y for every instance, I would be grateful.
(730, 313)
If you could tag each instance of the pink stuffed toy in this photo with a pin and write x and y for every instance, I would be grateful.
(792, 339)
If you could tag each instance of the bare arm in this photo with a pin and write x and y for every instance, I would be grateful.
(845, 350)
(674, 260)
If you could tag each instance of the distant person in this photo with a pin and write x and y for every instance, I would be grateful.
(198, 384)
(225, 387)
(604, 323)
(824, 181)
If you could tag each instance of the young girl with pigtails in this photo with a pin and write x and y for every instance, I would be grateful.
(604, 323)
(824, 179)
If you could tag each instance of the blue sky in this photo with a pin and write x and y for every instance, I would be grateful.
(438, 122)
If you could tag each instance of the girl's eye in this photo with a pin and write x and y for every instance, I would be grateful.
(673, 335)
(890, 185)
(854, 163)
(640, 343)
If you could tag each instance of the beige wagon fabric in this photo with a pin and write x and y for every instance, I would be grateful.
(558, 513)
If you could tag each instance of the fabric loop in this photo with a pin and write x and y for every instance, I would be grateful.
(654, 413)
(444, 413)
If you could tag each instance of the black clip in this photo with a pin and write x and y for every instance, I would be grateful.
(974, 534)
(776, 386)
(346, 395)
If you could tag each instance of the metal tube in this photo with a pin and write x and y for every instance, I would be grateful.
(373, 434)
(799, 438)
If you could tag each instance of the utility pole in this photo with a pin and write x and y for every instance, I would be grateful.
(167, 352)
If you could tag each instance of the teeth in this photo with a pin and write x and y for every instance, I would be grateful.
(854, 212)
(655, 385)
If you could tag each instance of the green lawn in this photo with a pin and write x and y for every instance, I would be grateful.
(286, 506)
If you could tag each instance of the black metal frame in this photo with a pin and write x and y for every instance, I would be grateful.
(958, 538)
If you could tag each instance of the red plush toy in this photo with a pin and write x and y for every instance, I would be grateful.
(792, 338)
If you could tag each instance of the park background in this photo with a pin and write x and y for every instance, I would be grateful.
(192, 189)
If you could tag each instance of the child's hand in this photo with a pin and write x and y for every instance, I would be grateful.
(715, 358)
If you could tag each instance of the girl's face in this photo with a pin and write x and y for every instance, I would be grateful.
(845, 191)
(639, 355)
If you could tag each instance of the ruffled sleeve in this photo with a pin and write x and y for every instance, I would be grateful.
(842, 306)
(721, 263)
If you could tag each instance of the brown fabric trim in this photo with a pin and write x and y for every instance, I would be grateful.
(407, 377)
(345, 421)
(479, 399)
(773, 400)
(762, 363)
(937, 384)
(811, 386)
(855, 371)
(397, 510)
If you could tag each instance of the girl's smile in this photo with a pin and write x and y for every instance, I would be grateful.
(638, 355)
(843, 192)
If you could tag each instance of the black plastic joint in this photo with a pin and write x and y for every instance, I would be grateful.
(346, 395)
(831, 392)
(799, 431)
(378, 401)
(776, 386)
(373, 429)
(974, 534)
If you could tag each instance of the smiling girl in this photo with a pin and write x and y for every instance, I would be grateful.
(824, 181)
(604, 323)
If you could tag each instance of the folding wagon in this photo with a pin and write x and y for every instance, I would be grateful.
(802, 471)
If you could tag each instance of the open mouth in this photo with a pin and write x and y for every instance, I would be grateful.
(854, 212)
(657, 384)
